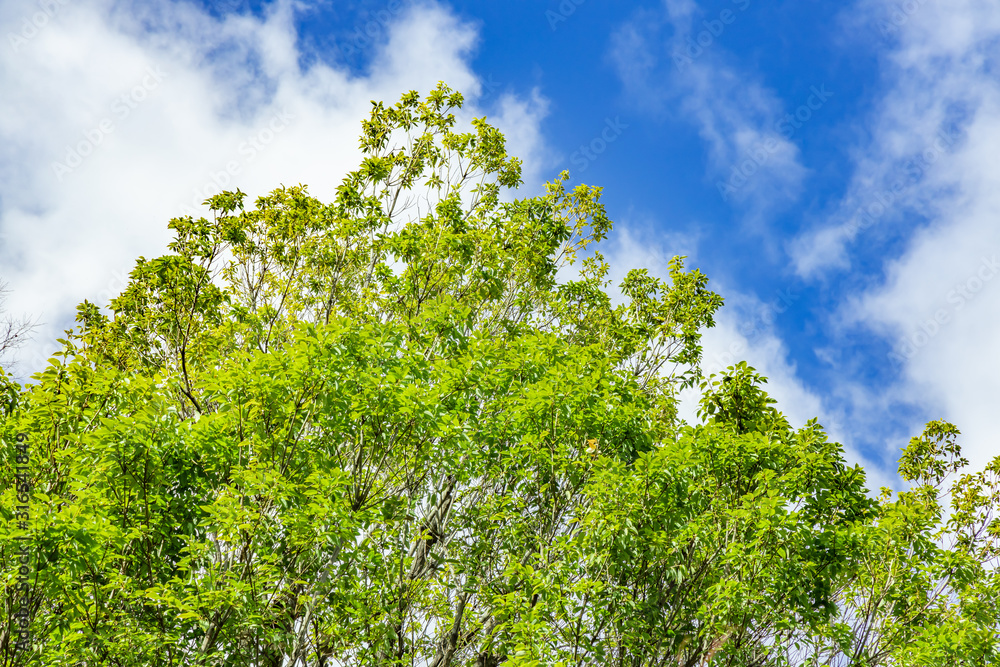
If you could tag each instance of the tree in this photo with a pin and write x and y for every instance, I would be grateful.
(13, 332)
(381, 431)
(924, 589)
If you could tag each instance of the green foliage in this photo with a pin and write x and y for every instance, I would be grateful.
(922, 587)
(381, 431)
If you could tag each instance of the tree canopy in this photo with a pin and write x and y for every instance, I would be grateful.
(384, 431)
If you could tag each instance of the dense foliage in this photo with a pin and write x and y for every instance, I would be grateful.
(382, 431)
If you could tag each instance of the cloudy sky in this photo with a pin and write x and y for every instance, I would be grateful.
(833, 167)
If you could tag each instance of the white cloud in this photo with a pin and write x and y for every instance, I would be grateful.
(674, 62)
(667, 60)
(170, 104)
(520, 120)
(929, 175)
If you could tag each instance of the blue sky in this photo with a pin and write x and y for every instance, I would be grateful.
(832, 167)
